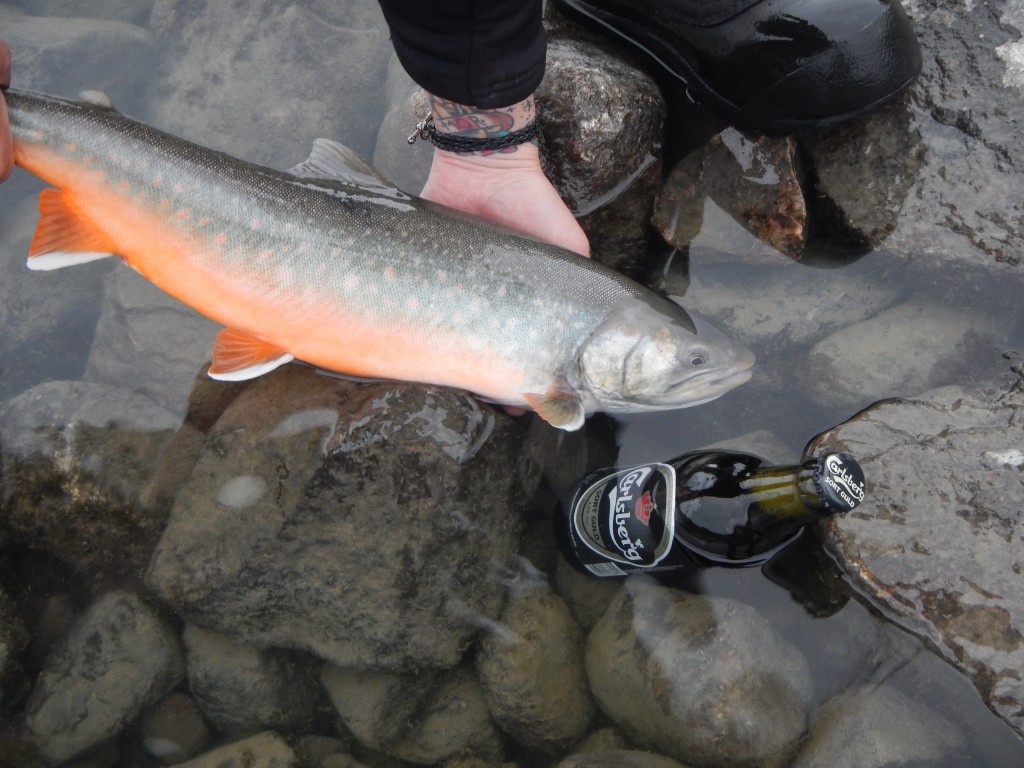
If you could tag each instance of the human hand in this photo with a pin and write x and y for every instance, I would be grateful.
(507, 186)
(6, 142)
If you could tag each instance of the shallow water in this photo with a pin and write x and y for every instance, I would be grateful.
(57, 349)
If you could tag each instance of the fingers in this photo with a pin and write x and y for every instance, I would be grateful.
(6, 142)
(5, 65)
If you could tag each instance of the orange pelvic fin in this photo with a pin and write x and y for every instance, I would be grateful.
(64, 236)
(237, 356)
(559, 407)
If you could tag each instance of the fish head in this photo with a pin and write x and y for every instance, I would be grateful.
(647, 356)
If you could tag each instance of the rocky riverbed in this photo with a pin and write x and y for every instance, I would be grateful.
(308, 571)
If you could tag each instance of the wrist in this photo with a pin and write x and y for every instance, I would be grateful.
(468, 130)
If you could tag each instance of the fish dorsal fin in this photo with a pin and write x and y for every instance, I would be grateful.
(336, 162)
(97, 99)
(238, 356)
(559, 408)
(65, 236)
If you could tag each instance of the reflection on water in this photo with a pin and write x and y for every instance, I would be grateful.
(278, 556)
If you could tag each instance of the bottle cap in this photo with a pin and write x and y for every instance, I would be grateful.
(839, 481)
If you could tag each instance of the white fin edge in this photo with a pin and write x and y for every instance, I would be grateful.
(45, 262)
(253, 371)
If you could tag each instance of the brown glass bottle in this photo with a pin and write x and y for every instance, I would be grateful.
(721, 507)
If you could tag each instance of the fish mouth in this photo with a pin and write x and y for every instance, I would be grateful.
(703, 389)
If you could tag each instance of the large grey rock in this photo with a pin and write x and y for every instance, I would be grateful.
(90, 470)
(531, 668)
(937, 543)
(603, 123)
(861, 363)
(244, 690)
(701, 679)
(965, 197)
(299, 71)
(368, 523)
(118, 658)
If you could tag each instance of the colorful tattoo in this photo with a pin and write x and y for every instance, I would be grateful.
(478, 123)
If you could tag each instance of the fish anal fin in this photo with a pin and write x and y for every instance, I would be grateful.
(559, 408)
(238, 356)
(65, 236)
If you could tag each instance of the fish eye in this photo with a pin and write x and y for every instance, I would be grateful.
(697, 360)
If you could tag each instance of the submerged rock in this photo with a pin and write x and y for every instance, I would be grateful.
(173, 730)
(619, 758)
(877, 726)
(245, 690)
(149, 340)
(937, 345)
(64, 56)
(420, 718)
(704, 680)
(117, 659)
(367, 523)
(264, 750)
(453, 721)
(531, 667)
(299, 71)
(90, 470)
(13, 640)
(377, 707)
(937, 543)
(755, 179)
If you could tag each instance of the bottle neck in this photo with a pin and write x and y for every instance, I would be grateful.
(789, 493)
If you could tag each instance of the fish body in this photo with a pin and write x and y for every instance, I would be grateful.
(332, 265)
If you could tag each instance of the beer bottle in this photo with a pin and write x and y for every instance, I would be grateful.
(708, 507)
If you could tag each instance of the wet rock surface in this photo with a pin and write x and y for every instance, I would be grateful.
(320, 466)
(937, 544)
(266, 555)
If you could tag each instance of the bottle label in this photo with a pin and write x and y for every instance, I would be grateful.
(624, 521)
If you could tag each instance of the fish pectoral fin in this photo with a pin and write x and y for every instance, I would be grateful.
(65, 236)
(559, 408)
(336, 162)
(238, 356)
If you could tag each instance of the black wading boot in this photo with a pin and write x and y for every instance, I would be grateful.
(774, 66)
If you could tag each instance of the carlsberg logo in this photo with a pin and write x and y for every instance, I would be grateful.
(841, 480)
(621, 511)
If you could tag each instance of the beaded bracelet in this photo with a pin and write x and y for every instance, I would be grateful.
(464, 145)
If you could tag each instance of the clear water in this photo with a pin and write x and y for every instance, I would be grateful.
(49, 342)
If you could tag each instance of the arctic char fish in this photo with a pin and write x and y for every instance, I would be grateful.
(330, 264)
